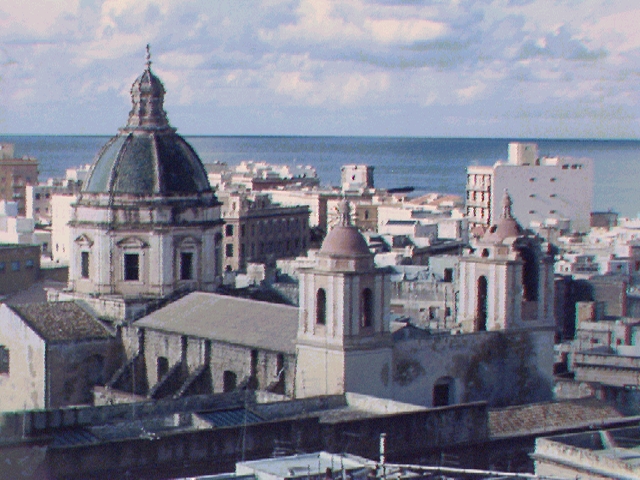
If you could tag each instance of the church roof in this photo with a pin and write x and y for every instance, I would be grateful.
(147, 157)
(221, 318)
(61, 322)
(344, 239)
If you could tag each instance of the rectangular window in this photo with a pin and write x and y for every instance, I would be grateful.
(15, 266)
(186, 265)
(3, 265)
(229, 230)
(229, 250)
(29, 264)
(4, 360)
(131, 266)
(84, 264)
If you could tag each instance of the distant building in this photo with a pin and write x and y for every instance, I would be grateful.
(546, 191)
(259, 231)
(19, 267)
(15, 175)
(356, 177)
(258, 176)
(39, 197)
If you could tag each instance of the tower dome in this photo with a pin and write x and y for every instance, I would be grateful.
(344, 239)
(506, 226)
(147, 157)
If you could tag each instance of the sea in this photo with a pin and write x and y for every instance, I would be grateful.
(426, 164)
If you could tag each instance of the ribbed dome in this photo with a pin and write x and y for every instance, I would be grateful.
(505, 227)
(147, 157)
(344, 239)
(148, 163)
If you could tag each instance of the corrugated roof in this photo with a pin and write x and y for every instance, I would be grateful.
(222, 318)
(230, 418)
(61, 321)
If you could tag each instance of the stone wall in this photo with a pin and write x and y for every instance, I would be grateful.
(503, 368)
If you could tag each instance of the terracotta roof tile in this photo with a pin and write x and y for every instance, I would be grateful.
(541, 417)
(61, 321)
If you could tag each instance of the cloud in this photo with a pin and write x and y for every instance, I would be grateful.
(560, 44)
(483, 58)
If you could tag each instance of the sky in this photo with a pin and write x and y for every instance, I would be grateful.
(432, 68)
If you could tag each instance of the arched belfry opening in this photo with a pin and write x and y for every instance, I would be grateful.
(481, 304)
(366, 308)
(321, 307)
(530, 274)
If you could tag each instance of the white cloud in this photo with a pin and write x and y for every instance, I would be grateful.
(326, 56)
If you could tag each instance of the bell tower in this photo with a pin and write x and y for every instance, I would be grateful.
(506, 281)
(344, 341)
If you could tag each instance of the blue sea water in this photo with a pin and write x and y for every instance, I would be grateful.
(428, 164)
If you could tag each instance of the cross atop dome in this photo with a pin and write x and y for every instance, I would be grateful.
(148, 56)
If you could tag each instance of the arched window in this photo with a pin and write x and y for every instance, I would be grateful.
(530, 274)
(321, 307)
(366, 308)
(481, 306)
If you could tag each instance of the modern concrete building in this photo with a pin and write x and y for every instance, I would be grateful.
(547, 192)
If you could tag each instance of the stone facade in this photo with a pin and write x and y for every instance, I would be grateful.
(259, 231)
(146, 223)
(52, 355)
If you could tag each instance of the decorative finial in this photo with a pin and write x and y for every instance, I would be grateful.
(344, 213)
(148, 56)
(506, 205)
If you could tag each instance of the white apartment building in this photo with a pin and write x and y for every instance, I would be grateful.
(61, 208)
(545, 191)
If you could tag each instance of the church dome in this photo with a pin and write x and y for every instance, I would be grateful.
(147, 157)
(505, 227)
(345, 239)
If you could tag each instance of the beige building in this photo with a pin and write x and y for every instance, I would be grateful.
(51, 355)
(15, 175)
(257, 230)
